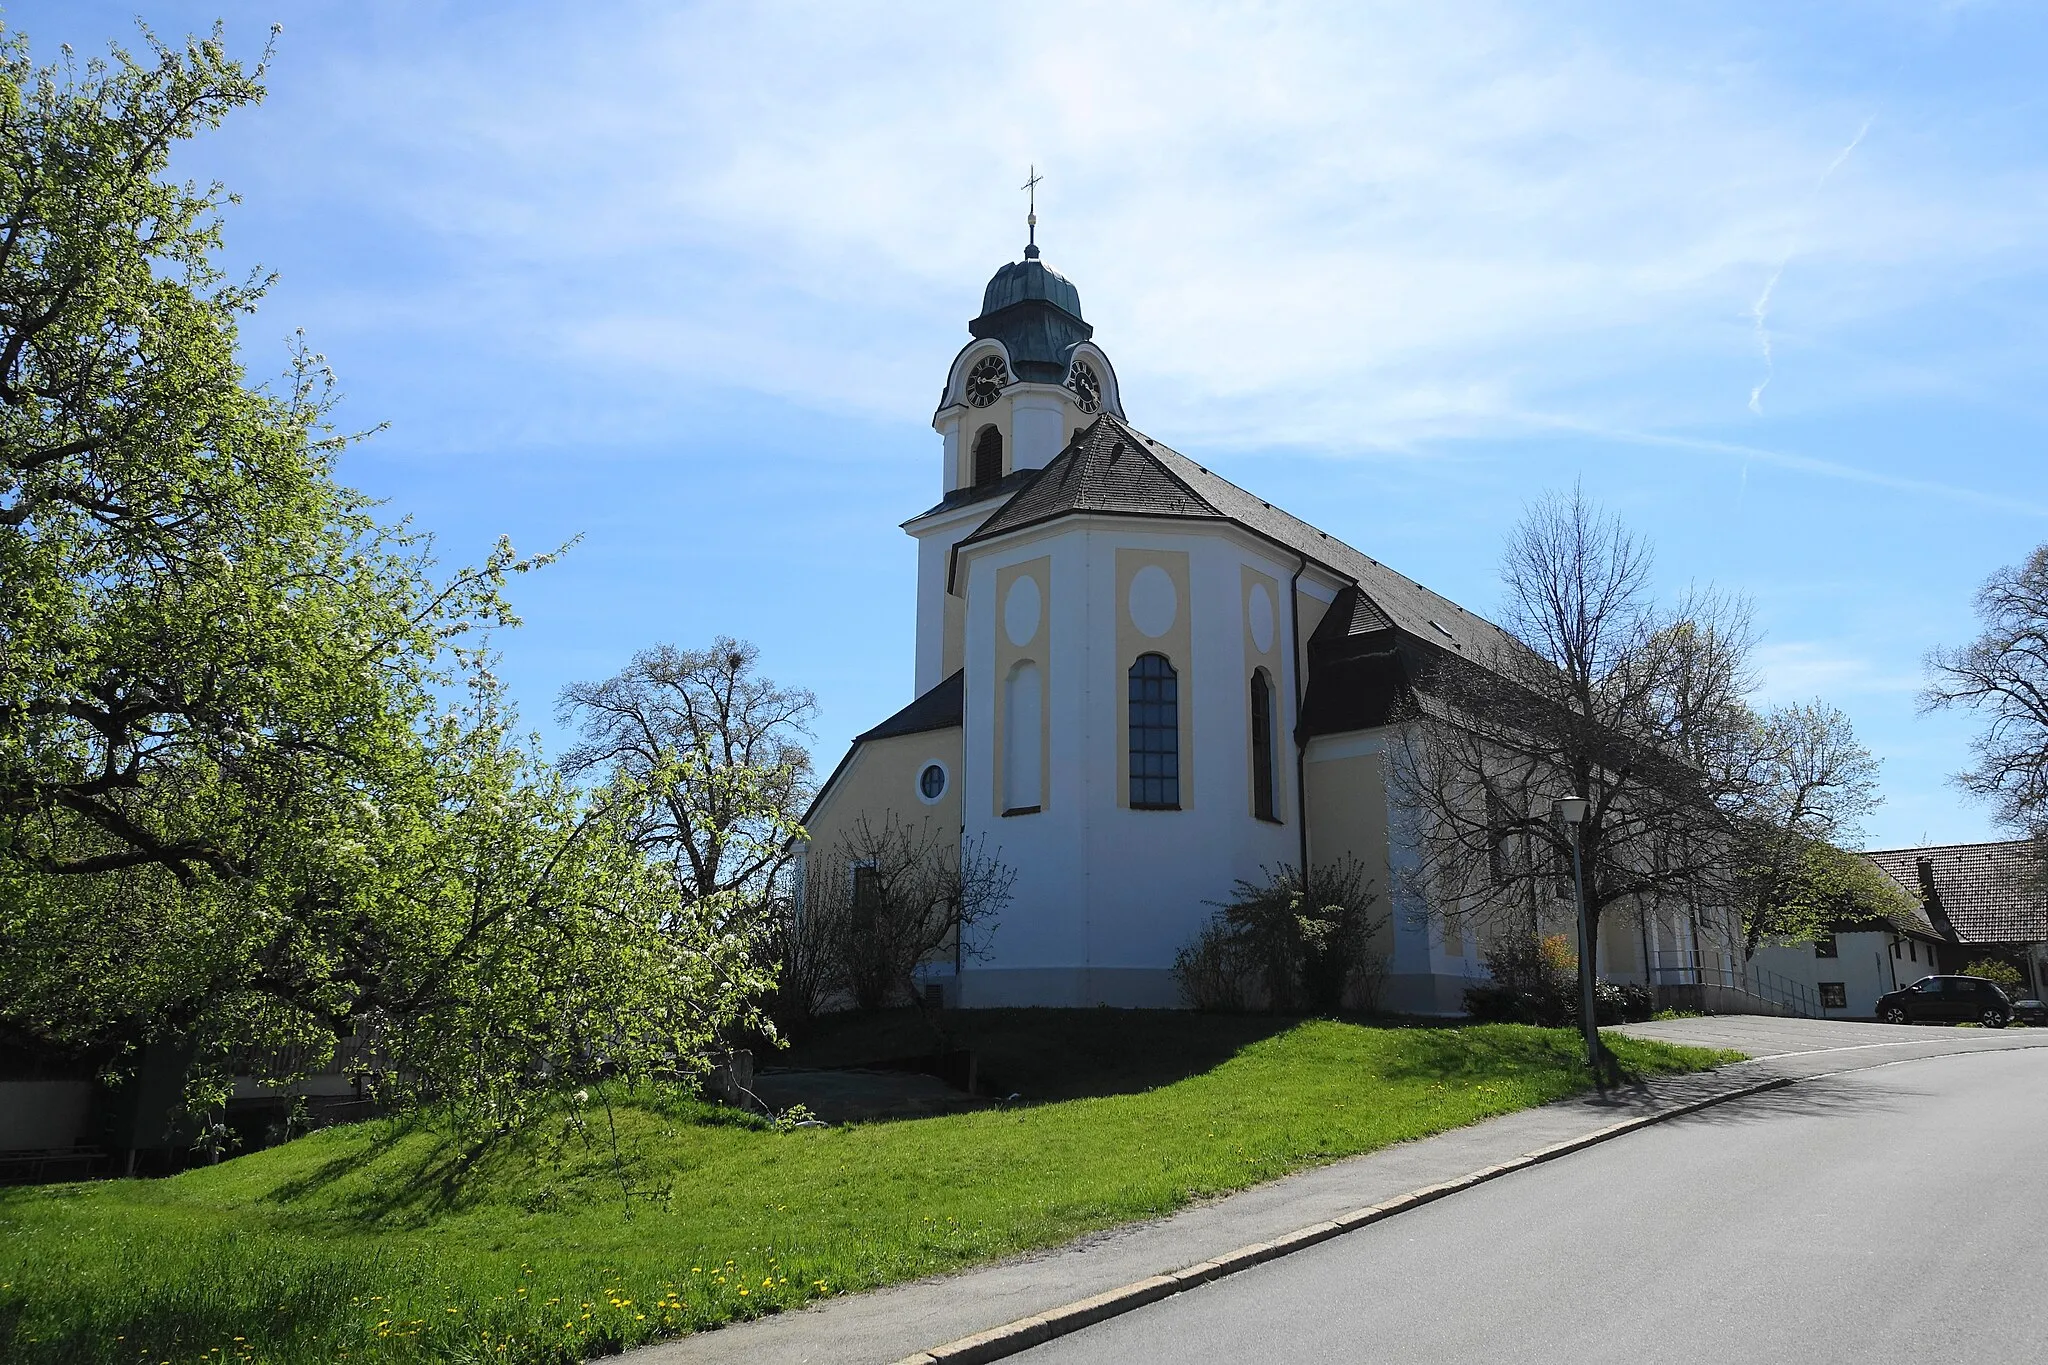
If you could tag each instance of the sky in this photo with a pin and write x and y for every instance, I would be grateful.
(1770, 281)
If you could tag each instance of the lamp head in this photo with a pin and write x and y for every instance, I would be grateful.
(1571, 809)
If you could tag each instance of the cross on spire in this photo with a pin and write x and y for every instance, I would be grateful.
(1030, 186)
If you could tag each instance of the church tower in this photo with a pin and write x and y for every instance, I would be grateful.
(1014, 396)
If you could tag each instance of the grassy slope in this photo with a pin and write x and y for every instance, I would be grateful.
(381, 1242)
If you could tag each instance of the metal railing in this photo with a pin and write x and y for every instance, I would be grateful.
(1674, 971)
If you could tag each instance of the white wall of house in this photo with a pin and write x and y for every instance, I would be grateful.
(1863, 966)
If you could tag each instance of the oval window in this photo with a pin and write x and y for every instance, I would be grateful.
(932, 781)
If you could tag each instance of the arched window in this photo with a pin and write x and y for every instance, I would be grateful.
(1262, 746)
(988, 456)
(1155, 734)
(1022, 780)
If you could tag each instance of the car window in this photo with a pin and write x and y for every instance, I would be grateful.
(1928, 985)
(1962, 985)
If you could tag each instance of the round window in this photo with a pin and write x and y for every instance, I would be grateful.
(931, 783)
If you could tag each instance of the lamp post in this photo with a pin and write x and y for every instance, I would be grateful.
(1572, 811)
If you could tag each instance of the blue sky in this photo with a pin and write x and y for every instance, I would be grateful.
(1771, 280)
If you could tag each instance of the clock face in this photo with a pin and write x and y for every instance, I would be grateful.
(1087, 388)
(986, 381)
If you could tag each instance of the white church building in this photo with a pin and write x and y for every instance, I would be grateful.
(1140, 683)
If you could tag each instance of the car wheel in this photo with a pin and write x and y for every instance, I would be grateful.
(1896, 1014)
(1993, 1018)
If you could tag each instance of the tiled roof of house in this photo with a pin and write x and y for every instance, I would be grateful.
(1986, 893)
(1112, 467)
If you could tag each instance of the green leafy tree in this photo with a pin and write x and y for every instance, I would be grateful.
(236, 815)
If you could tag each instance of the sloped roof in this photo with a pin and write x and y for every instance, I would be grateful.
(1111, 467)
(941, 708)
(1986, 892)
(1107, 467)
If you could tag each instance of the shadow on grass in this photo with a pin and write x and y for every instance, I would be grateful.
(1042, 1054)
(421, 1166)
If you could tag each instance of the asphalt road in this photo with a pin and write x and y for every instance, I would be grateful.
(1896, 1213)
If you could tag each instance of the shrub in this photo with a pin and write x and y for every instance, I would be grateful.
(1991, 969)
(1291, 946)
(1536, 981)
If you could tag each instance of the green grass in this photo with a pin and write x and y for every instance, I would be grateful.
(385, 1242)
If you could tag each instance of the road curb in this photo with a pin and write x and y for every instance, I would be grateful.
(1011, 1338)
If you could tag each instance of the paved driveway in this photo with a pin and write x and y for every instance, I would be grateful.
(1765, 1037)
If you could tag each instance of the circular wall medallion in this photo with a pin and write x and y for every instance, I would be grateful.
(1261, 614)
(1153, 601)
(1020, 611)
(931, 783)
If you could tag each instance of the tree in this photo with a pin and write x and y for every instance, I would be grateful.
(727, 821)
(2002, 675)
(906, 893)
(1807, 785)
(236, 815)
(1595, 694)
(1694, 800)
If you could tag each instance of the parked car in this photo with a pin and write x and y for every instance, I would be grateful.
(2033, 1012)
(1947, 1000)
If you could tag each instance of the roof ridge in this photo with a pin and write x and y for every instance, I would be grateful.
(1937, 848)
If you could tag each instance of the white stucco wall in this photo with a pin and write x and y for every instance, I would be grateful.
(1863, 964)
(1106, 895)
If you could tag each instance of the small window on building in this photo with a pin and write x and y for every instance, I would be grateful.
(1262, 746)
(1895, 948)
(1834, 995)
(1497, 836)
(988, 456)
(867, 892)
(1912, 950)
(1825, 947)
(931, 783)
(1561, 868)
(1155, 734)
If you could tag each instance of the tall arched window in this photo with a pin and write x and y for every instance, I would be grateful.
(988, 456)
(1262, 746)
(1022, 781)
(1155, 734)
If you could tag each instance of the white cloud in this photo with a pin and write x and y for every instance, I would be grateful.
(1360, 227)
(1800, 670)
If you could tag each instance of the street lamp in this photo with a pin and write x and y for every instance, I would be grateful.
(1572, 811)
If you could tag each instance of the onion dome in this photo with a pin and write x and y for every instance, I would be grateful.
(1035, 312)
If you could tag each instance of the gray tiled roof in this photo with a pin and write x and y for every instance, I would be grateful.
(941, 708)
(1987, 891)
(1107, 467)
(1111, 467)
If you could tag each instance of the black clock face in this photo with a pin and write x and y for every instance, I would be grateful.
(1087, 388)
(986, 381)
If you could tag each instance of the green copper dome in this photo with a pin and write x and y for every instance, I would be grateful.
(1035, 312)
(1030, 279)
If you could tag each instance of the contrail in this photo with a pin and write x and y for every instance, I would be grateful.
(1760, 311)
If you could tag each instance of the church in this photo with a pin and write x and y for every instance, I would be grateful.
(1139, 683)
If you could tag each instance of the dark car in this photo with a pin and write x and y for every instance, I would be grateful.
(2030, 1012)
(1947, 1000)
